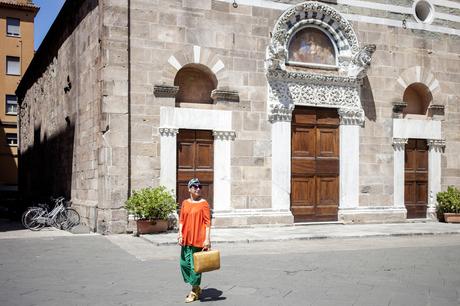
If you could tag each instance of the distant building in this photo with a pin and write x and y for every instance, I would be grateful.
(288, 111)
(16, 52)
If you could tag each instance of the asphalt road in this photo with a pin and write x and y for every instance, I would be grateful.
(124, 270)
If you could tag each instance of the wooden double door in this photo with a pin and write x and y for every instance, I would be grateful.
(314, 164)
(195, 158)
(416, 178)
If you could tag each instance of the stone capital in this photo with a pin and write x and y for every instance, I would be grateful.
(437, 145)
(224, 135)
(351, 116)
(165, 91)
(399, 143)
(167, 131)
(225, 95)
(280, 112)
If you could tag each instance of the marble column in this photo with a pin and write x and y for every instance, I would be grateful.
(280, 118)
(350, 122)
(168, 143)
(399, 145)
(222, 170)
(436, 148)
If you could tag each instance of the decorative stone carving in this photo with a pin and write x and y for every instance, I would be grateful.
(167, 131)
(399, 143)
(313, 95)
(225, 95)
(324, 15)
(279, 112)
(436, 111)
(399, 106)
(338, 90)
(224, 135)
(351, 116)
(361, 61)
(165, 91)
(437, 145)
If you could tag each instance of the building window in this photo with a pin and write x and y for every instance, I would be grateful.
(311, 45)
(11, 105)
(423, 11)
(196, 82)
(13, 65)
(12, 27)
(12, 139)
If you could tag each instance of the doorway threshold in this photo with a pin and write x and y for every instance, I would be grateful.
(317, 223)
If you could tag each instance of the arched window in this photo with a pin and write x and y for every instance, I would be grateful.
(195, 83)
(418, 97)
(311, 45)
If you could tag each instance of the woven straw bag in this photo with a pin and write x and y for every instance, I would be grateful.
(206, 261)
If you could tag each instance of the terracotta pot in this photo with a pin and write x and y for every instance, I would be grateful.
(452, 218)
(151, 226)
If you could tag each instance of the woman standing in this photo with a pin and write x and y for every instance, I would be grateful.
(194, 235)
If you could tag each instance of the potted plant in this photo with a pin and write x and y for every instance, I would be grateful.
(151, 208)
(449, 205)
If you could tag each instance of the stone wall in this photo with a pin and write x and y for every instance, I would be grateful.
(413, 55)
(59, 114)
(113, 127)
(235, 37)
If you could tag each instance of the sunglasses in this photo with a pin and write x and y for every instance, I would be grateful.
(197, 186)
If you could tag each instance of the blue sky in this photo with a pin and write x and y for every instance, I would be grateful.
(49, 9)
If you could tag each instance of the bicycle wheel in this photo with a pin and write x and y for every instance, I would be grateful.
(31, 219)
(60, 218)
(72, 218)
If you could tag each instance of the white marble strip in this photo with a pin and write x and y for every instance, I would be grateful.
(174, 62)
(374, 20)
(196, 54)
(398, 23)
(448, 17)
(263, 3)
(218, 67)
(446, 3)
(377, 6)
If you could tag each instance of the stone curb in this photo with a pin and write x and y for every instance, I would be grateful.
(313, 237)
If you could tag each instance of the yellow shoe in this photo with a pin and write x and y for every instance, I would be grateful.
(192, 296)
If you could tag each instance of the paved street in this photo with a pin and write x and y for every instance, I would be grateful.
(54, 269)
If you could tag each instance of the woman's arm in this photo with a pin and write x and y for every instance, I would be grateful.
(179, 234)
(207, 240)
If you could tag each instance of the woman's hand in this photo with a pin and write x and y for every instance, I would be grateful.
(179, 240)
(207, 244)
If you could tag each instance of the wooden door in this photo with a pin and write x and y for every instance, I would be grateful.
(416, 178)
(195, 158)
(314, 164)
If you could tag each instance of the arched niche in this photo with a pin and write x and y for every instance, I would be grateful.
(418, 97)
(311, 46)
(195, 82)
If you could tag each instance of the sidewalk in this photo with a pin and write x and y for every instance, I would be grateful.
(313, 231)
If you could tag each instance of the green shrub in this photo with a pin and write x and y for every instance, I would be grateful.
(151, 203)
(448, 201)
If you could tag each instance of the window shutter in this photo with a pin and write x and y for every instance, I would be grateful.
(12, 27)
(13, 65)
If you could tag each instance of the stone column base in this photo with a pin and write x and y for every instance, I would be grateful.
(373, 215)
(249, 217)
(431, 214)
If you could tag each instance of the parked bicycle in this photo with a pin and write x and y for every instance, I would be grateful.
(62, 217)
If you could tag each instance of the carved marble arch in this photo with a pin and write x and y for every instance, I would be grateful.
(338, 89)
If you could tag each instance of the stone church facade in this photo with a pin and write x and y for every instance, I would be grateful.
(288, 111)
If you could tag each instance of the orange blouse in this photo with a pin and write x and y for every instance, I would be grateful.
(194, 217)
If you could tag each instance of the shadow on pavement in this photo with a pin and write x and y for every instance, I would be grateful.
(211, 294)
(9, 225)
